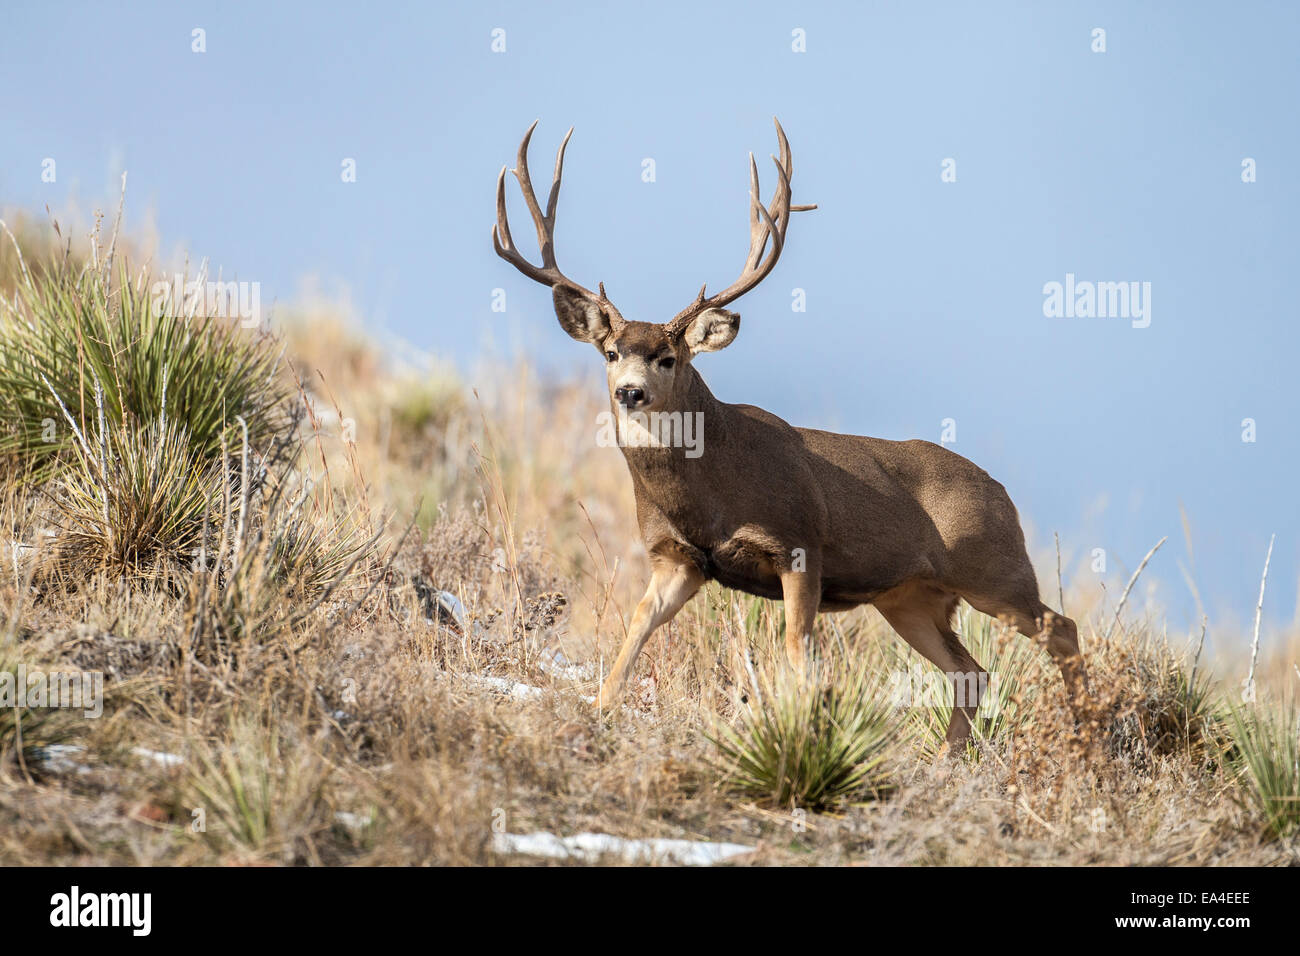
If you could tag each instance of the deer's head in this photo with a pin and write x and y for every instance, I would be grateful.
(646, 362)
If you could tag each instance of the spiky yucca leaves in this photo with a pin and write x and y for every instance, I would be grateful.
(133, 500)
(811, 742)
(1180, 705)
(1265, 753)
(70, 332)
(1018, 671)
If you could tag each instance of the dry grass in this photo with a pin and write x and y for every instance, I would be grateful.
(324, 710)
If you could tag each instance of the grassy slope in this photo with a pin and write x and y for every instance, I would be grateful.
(371, 736)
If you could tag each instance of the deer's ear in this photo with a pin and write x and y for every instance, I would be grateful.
(579, 316)
(711, 330)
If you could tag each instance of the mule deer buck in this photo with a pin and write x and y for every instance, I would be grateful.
(822, 521)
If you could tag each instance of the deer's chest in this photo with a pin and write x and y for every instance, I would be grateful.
(724, 544)
(746, 558)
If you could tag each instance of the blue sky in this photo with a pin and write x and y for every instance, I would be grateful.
(924, 298)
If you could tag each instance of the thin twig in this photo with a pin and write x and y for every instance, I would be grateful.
(117, 224)
(103, 453)
(1259, 609)
(244, 490)
(1060, 588)
(1129, 587)
(163, 417)
(68, 415)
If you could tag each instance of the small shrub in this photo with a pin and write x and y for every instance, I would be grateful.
(1265, 753)
(259, 794)
(72, 340)
(139, 507)
(810, 743)
(281, 554)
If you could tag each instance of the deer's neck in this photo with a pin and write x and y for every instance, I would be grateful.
(674, 453)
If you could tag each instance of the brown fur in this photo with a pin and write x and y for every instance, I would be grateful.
(822, 521)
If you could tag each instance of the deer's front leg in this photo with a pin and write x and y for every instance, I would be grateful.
(802, 593)
(671, 585)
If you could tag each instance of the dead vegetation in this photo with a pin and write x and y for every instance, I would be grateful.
(369, 634)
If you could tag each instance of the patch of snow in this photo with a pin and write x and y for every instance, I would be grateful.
(159, 757)
(353, 821)
(517, 690)
(511, 688)
(591, 847)
(552, 661)
(59, 758)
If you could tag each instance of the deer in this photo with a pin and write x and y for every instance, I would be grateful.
(821, 521)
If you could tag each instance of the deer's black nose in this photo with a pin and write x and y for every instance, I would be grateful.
(629, 396)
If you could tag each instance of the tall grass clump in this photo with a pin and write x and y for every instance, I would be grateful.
(132, 414)
(81, 343)
(1179, 706)
(282, 552)
(810, 743)
(1265, 753)
(259, 792)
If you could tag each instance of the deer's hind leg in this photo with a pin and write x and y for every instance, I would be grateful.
(922, 616)
(1058, 633)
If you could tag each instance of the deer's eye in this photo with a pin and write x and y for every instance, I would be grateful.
(611, 357)
(667, 362)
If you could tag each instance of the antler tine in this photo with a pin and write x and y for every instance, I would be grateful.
(775, 221)
(765, 222)
(548, 273)
(501, 238)
(787, 160)
(544, 240)
(755, 221)
(554, 197)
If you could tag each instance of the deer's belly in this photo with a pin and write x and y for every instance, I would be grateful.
(744, 565)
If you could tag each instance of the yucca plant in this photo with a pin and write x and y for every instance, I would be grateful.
(810, 742)
(73, 343)
(134, 499)
(1265, 753)
(1016, 678)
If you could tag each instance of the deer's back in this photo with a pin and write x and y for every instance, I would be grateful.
(919, 509)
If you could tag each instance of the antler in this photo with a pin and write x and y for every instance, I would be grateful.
(764, 223)
(548, 273)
